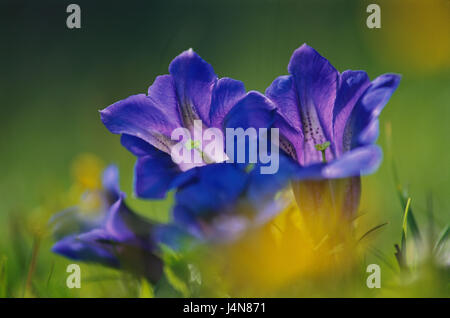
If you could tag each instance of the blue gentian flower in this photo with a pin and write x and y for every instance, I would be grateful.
(316, 104)
(118, 238)
(220, 202)
(92, 210)
(192, 91)
(328, 124)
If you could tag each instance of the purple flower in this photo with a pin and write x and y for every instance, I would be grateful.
(328, 124)
(92, 210)
(219, 202)
(192, 91)
(316, 104)
(118, 238)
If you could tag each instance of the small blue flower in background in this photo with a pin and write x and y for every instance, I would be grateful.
(117, 237)
(92, 210)
(191, 92)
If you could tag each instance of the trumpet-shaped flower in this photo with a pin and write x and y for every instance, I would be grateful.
(117, 237)
(190, 94)
(220, 202)
(255, 236)
(328, 124)
(92, 209)
(319, 107)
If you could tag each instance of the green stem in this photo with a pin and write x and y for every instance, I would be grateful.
(324, 159)
(322, 148)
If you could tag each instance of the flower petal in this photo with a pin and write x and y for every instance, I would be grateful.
(215, 185)
(254, 110)
(251, 113)
(77, 248)
(263, 187)
(151, 118)
(73, 221)
(137, 146)
(163, 95)
(123, 225)
(359, 161)
(362, 126)
(305, 101)
(226, 94)
(154, 170)
(115, 224)
(315, 80)
(352, 85)
(154, 176)
(185, 222)
(110, 181)
(194, 80)
(290, 140)
(283, 93)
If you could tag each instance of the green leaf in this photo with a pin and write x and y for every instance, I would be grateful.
(177, 283)
(372, 230)
(403, 197)
(173, 261)
(405, 217)
(146, 290)
(379, 254)
(445, 235)
(401, 251)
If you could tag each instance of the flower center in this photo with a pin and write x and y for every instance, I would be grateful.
(322, 148)
(192, 144)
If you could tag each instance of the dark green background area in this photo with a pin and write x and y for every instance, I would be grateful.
(54, 80)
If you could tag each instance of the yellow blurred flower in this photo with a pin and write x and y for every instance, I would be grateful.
(414, 34)
(86, 172)
(292, 247)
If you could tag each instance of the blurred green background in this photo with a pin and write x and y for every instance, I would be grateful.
(54, 80)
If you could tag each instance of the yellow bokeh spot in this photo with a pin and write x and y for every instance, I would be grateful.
(86, 171)
(291, 247)
(414, 35)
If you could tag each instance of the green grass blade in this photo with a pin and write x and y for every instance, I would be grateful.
(405, 217)
(377, 253)
(3, 280)
(403, 197)
(412, 224)
(401, 251)
(146, 290)
(372, 230)
(442, 238)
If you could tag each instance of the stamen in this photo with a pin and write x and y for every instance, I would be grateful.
(195, 145)
(322, 148)
(192, 144)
